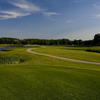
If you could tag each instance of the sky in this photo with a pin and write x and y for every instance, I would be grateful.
(50, 19)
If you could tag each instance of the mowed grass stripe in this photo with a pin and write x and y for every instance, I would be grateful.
(61, 58)
(78, 53)
(45, 78)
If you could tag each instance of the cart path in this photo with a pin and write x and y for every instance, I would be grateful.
(61, 58)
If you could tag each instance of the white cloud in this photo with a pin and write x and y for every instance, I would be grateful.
(69, 21)
(50, 13)
(11, 14)
(27, 6)
(97, 16)
(97, 6)
(23, 8)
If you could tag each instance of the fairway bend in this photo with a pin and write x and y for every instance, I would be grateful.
(61, 58)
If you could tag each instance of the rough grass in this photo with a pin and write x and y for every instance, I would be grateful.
(11, 59)
(44, 78)
(7, 56)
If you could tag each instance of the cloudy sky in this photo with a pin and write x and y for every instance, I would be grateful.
(73, 19)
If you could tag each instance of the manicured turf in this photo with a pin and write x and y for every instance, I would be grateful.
(44, 78)
(72, 52)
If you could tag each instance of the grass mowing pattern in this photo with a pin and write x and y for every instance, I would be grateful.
(79, 53)
(45, 78)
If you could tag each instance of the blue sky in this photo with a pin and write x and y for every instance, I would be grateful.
(73, 19)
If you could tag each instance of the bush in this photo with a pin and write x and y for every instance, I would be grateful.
(90, 50)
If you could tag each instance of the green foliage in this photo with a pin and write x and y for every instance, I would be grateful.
(11, 59)
(18, 42)
(96, 40)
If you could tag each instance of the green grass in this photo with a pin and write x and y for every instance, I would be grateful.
(89, 49)
(72, 52)
(44, 78)
(2, 45)
(32, 45)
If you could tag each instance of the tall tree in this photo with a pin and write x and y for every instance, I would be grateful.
(96, 40)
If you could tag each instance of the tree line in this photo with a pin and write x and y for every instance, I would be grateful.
(94, 42)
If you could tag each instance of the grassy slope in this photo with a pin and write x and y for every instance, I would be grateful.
(72, 52)
(44, 78)
(2, 45)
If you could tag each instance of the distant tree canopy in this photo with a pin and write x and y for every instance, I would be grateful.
(9, 41)
(95, 41)
(46, 41)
